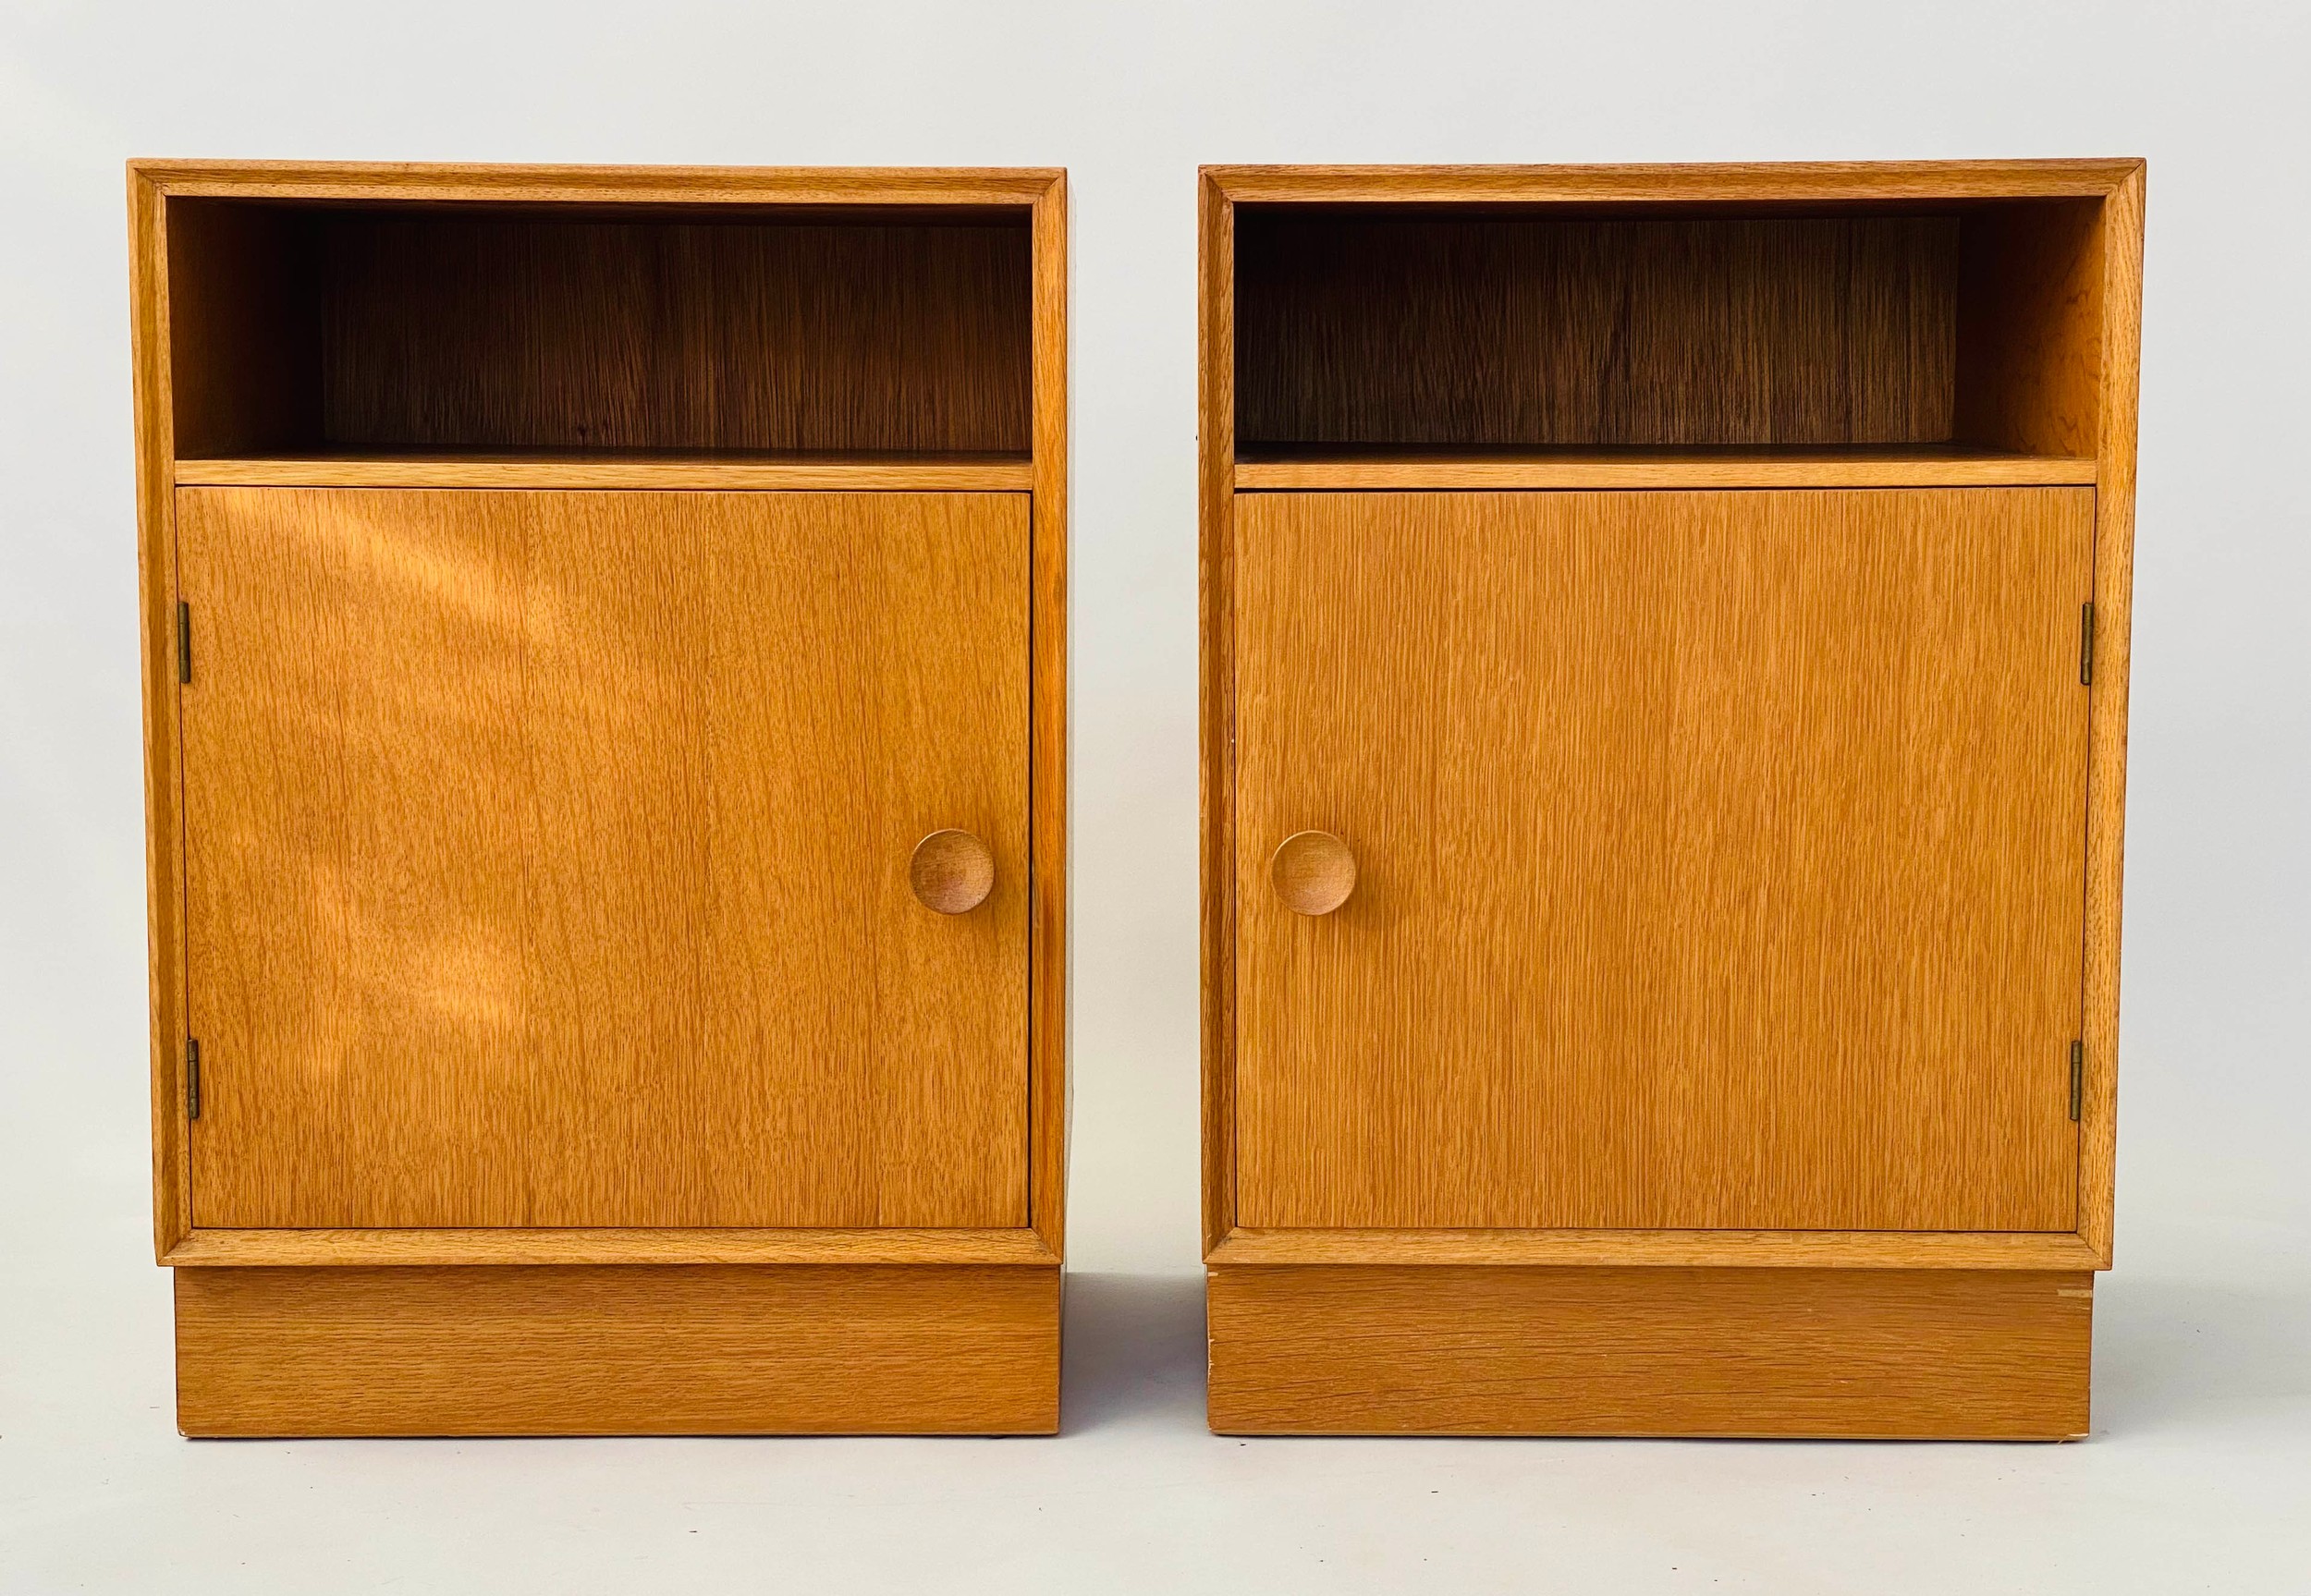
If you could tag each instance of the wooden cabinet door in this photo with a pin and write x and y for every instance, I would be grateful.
(1720, 853)
(547, 857)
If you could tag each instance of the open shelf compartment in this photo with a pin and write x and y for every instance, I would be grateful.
(1942, 337)
(357, 332)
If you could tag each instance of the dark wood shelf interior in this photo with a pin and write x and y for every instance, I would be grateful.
(313, 328)
(1863, 328)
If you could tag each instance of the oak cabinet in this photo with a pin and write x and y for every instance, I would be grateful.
(1665, 666)
(606, 743)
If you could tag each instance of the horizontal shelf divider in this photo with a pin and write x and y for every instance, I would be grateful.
(545, 468)
(1317, 466)
(423, 1246)
(1667, 1248)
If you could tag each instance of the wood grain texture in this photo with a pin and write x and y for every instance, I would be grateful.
(421, 182)
(625, 1103)
(1356, 328)
(580, 1245)
(951, 872)
(1943, 1354)
(1683, 1248)
(724, 470)
(548, 857)
(630, 1351)
(2030, 367)
(2122, 301)
(1761, 182)
(1049, 1108)
(1318, 468)
(1719, 859)
(447, 330)
(1215, 695)
(156, 635)
(256, 374)
(245, 314)
(2030, 326)
(1312, 872)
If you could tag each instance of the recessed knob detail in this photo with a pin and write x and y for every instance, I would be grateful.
(952, 872)
(1313, 873)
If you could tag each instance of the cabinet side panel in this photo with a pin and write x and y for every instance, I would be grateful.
(1215, 449)
(2030, 326)
(1944, 1353)
(2114, 606)
(1049, 1103)
(244, 328)
(631, 1351)
(156, 597)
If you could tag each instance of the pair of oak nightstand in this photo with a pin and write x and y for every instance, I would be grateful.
(1664, 689)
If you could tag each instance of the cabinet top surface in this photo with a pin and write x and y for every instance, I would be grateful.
(437, 182)
(1715, 182)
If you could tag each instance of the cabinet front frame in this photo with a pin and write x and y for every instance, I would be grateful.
(1040, 196)
(2118, 186)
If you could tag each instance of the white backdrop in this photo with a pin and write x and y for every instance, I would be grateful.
(2202, 1454)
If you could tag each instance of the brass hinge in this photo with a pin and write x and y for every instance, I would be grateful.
(2078, 1076)
(192, 1079)
(2086, 644)
(184, 642)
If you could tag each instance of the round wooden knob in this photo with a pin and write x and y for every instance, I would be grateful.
(1313, 873)
(952, 872)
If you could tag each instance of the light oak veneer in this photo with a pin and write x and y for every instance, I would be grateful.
(628, 1350)
(1717, 858)
(1666, 582)
(569, 594)
(1935, 1354)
